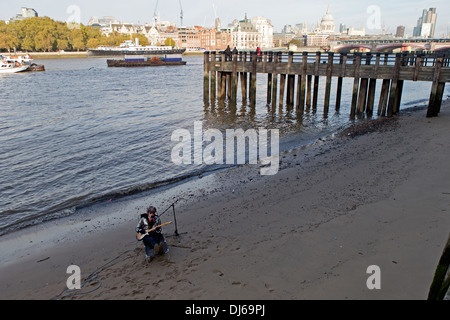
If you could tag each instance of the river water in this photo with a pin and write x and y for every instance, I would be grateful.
(82, 132)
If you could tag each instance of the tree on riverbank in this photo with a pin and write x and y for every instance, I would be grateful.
(42, 34)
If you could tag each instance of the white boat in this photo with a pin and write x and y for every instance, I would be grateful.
(8, 66)
(133, 48)
(26, 59)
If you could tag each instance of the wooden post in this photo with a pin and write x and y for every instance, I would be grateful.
(308, 92)
(274, 80)
(386, 57)
(384, 97)
(269, 88)
(441, 281)
(269, 77)
(264, 62)
(315, 92)
(398, 96)
(282, 87)
(224, 85)
(326, 103)
(372, 87)
(234, 79)
(244, 86)
(290, 89)
(229, 89)
(213, 76)
(371, 96)
(223, 77)
(219, 83)
(253, 81)
(362, 97)
(244, 78)
(394, 85)
(282, 82)
(343, 63)
(439, 95)
(316, 80)
(290, 81)
(301, 84)
(434, 102)
(417, 66)
(357, 63)
(206, 77)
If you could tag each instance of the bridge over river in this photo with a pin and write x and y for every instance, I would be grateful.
(389, 45)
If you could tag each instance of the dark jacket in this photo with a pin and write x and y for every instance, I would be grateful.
(146, 224)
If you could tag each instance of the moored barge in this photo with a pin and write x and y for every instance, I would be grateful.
(142, 61)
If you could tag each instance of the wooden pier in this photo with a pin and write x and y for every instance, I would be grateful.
(222, 73)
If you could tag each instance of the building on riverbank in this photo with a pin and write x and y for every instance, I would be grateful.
(26, 13)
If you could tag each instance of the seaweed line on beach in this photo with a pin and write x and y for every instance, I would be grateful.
(377, 125)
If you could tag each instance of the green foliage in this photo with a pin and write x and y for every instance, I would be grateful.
(169, 42)
(115, 39)
(42, 34)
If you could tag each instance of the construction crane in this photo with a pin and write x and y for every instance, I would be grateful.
(155, 14)
(181, 14)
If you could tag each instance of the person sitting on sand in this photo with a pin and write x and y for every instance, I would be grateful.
(154, 241)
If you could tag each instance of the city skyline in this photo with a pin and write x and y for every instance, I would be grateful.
(359, 14)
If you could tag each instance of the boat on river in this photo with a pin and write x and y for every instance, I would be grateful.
(8, 67)
(18, 60)
(143, 61)
(133, 48)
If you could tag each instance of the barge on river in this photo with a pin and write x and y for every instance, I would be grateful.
(142, 61)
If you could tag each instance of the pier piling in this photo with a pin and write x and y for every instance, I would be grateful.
(221, 77)
(326, 104)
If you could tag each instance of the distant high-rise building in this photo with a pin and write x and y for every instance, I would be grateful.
(400, 32)
(26, 13)
(302, 27)
(426, 24)
(102, 22)
(29, 13)
(217, 24)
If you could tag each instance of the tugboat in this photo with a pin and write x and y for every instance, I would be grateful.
(142, 61)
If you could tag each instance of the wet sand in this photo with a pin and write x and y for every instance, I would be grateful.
(377, 194)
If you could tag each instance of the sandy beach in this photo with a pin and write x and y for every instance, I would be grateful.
(377, 194)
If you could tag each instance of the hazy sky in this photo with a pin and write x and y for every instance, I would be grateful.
(355, 13)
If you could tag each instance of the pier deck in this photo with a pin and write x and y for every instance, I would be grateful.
(222, 72)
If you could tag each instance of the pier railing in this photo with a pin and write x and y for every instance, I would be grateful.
(222, 71)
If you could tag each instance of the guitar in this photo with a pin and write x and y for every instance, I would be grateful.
(141, 236)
